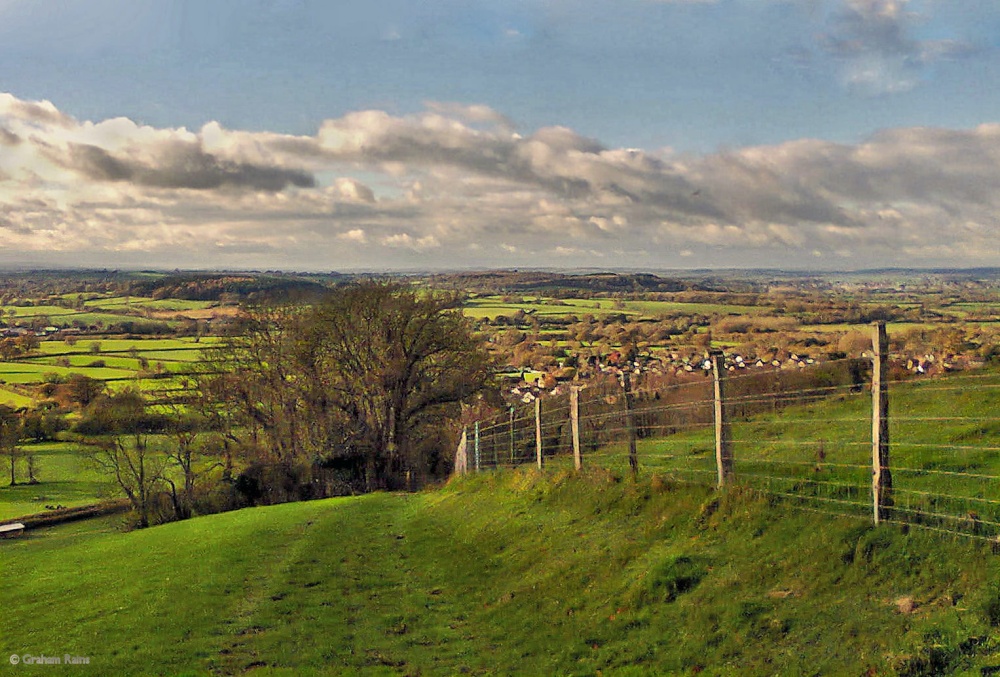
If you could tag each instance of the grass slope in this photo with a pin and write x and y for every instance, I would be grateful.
(512, 572)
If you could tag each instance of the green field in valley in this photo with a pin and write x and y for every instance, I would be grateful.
(27, 312)
(60, 316)
(891, 327)
(119, 345)
(657, 308)
(34, 372)
(140, 302)
(494, 306)
(118, 362)
(66, 478)
(15, 399)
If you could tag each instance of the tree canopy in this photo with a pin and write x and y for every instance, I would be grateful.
(367, 378)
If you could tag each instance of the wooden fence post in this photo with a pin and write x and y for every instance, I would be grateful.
(633, 453)
(493, 443)
(476, 446)
(511, 432)
(723, 438)
(461, 457)
(538, 431)
(881, 475)
(574, 421)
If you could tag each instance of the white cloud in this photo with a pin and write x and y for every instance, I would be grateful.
(474, 113)
(458, 179)
(352, 190)
(354, 235)
(407, 241)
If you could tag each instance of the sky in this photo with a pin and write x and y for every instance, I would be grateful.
(467, 134)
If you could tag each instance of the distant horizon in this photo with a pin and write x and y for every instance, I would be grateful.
(658, 272)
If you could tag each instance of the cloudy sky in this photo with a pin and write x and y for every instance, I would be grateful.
(449, 134)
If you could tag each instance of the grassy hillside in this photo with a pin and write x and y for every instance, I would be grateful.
(510, 572)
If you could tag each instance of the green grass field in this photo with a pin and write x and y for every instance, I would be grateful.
(15, 399)
(60, 316)
(105, 306)
(657, 308)
(140, 302)
(65, 478)
(32, 372)
(515, 572)
(85, 345)
(964, 310)
(494, 306)
(86, 359)
(121, 358)
(28, 312)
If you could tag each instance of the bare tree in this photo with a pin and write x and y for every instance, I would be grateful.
(395, 363)
(191, 451)
(124, 452)
(11, 427)
(369, 375)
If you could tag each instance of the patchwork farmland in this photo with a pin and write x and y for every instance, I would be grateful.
(153, 365)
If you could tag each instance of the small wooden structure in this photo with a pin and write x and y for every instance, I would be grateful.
(11, 530)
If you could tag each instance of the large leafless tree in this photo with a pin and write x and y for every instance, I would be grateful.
(369, 375)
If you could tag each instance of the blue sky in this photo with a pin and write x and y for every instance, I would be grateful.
(824, 134)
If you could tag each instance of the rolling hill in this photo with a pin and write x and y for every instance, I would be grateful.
(507, 572)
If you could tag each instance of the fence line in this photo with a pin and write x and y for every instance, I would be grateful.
(728, 426)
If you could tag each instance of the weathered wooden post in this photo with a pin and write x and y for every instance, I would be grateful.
(574, 421)
(494, 431)
(538, 431)
(461, 456)
(723, 438)
(476, 445)
(633, 453)
(881, 475)
(511, 431)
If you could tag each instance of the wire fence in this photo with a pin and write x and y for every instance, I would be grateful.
(809, 436)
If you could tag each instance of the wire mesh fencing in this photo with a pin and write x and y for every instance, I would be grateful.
(807, 435)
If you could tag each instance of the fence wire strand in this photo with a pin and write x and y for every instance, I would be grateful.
(781, 447)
